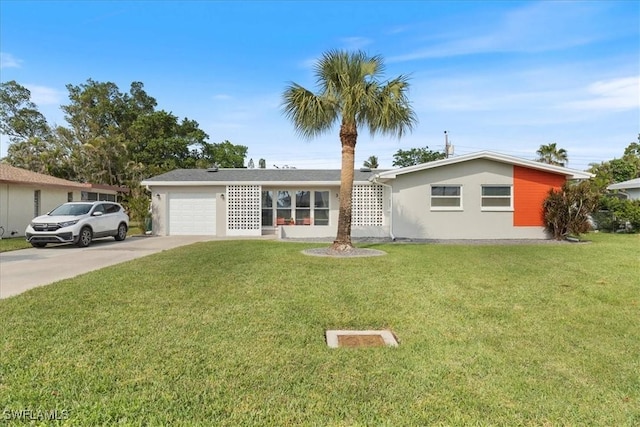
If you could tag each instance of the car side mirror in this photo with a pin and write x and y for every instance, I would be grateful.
(96, 214)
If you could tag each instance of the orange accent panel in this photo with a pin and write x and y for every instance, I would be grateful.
(530, 189)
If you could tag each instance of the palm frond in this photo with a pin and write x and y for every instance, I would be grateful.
(311, 114)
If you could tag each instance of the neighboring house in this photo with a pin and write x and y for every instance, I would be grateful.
(25, 194)
(482, 195)
(629, 188)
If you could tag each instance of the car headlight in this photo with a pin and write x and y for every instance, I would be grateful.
(67, 223)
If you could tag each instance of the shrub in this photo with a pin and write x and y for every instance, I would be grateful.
(617, 214)
(567, 210)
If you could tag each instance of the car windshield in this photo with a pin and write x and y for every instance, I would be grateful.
(72, 209)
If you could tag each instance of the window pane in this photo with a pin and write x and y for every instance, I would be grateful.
(284, 199)
(496, 191)
(267, 217)
(321, 217)
(284, 213)
(303, 199)
(321, 199)
(445, 191)
(496, 202)
(302, 214)
(267, 199)
(445, 202)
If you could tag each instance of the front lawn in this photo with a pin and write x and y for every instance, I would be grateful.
(13, 244)
(232, 333)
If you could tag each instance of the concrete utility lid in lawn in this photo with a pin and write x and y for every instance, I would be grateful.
(346, 338)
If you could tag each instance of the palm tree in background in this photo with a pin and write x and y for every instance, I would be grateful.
(371, 163)
(349, 92)
(552, 155)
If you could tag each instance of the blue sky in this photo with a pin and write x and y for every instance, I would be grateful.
(505, 76)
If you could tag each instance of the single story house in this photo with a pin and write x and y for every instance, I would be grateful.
(629, 188)
(25, 194)
(482, 195)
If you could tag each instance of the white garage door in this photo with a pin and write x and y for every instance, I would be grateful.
(192, 214)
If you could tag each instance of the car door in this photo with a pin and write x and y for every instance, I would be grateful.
(99, 220)
(111, 216)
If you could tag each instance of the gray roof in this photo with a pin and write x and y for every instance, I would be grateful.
(632, 183)
(223, 175)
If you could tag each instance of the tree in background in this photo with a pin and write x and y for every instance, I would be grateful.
(618, 170)
(20, 119)
(349, 91)
(224, 155)
(415, 156)
(371, 162)
(161, 142)
(262, 164)
(251, 165)
(552, 155)
(112, 137)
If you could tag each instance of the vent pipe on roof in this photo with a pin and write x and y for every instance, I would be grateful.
(448, 148)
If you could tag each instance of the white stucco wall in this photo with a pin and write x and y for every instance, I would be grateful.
(17, 205)
(414, 218)
(160, 208)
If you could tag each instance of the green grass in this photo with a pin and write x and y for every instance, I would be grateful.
(232, 333)
(13, 244)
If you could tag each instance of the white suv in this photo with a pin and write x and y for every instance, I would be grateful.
(79, 223)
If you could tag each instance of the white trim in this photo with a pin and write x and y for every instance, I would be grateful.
(509, 208)
(446, 208)
(488, 155)
(262, 183)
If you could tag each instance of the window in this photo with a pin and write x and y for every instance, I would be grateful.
(496, 197)
(36, 203)
(446, 197)
(109, 208)
(295, 207)
(284, 205)
(303, 207)
(267, 208)
(321, 208)
(70, 197)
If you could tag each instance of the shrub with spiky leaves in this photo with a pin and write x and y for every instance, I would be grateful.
(567, 210)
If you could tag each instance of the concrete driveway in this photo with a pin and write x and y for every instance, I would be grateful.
(29, 268)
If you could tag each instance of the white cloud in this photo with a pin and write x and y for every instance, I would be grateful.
(7, 60)
(614, 94)
(222, 97)
(535, 27)
(42, 95)
(355, 43)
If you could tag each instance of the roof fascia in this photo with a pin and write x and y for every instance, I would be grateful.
(488, 155)
(224, 183)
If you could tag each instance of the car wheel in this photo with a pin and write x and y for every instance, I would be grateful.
(84, 239)
(38, 244)
(122, 232)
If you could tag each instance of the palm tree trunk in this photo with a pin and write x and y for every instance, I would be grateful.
(348, 138)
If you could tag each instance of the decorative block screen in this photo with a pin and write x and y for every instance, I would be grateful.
(243, 209)
(366, 208)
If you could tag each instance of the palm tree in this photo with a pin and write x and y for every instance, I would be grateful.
(349, 91)
(371, 162)
(552, 155)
